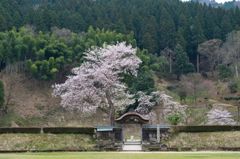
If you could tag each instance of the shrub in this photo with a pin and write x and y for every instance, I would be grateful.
(69, 130)
(228, 98)
(233, 87)
(175, 118)
(204, 74)
(170, 88)
(224, 71)
(20, 130)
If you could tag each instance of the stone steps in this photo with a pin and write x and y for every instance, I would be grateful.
(132, 148)
(132, 143)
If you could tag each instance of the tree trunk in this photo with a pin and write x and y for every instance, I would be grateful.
(236, 69)
(170, 61)
(197, 63)
(178, 77)
(212, 72)
(111, 111)
(111, 116)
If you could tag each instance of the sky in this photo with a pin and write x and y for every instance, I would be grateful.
(219, 1)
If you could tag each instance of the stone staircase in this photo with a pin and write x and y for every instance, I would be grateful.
(132, 146)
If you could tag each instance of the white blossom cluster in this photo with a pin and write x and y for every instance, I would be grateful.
(220, 116)
(169, 106)
(145, 104)
(95, 84)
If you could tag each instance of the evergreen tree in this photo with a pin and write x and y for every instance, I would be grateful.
(3, 25)
(237, 16)
(120, 27)
(136, 21)
(226, 27)
(39, 23)
(197, 33)
(200, 16)
(76, 23)
(197, 38)
(148, 42)
(167, 30)
(217, 33)
(181, 64)
(180, 40)
(100, 23)
(17, 21)
(231, 16)
(54, 19)
(46, 16)
(89, 20)
(209, 25)
(182, 21)
(144, 82)
(128, 21)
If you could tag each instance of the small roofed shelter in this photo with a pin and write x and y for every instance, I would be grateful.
(150, 133)
(131, 118)
(109, 133)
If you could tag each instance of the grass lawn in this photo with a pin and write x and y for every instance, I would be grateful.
(105, 155)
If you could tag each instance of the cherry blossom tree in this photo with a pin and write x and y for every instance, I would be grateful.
(196, 86)
(145, 105)
(96, 83)
(169, 106)
(159, 98)
(220, 116)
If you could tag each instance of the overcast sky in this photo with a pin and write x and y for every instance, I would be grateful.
(219, 1)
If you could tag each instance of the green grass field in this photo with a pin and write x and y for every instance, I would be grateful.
(105, 155)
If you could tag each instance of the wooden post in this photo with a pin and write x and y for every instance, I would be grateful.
(123, 133)
(238, 114)
(141, 138)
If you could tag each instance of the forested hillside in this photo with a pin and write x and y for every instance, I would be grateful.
(156, 24)
(45, 39)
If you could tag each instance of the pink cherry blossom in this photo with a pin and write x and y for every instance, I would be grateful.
(95, 84)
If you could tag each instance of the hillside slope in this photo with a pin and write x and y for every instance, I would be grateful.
(31, 104)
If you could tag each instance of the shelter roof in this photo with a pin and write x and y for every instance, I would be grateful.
(106, 128)
(155, 127)
(131, 118)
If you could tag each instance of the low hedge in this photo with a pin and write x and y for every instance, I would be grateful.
(59, 150)
(20, 130)
(205, 128)
(13, 151)
(172, 148)
(154, 148)
(111, 148)
(231, 98)
(186, 148)
(49, 150)
(201, 148)
(157, 148)
(230, 148)
(69, 130)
